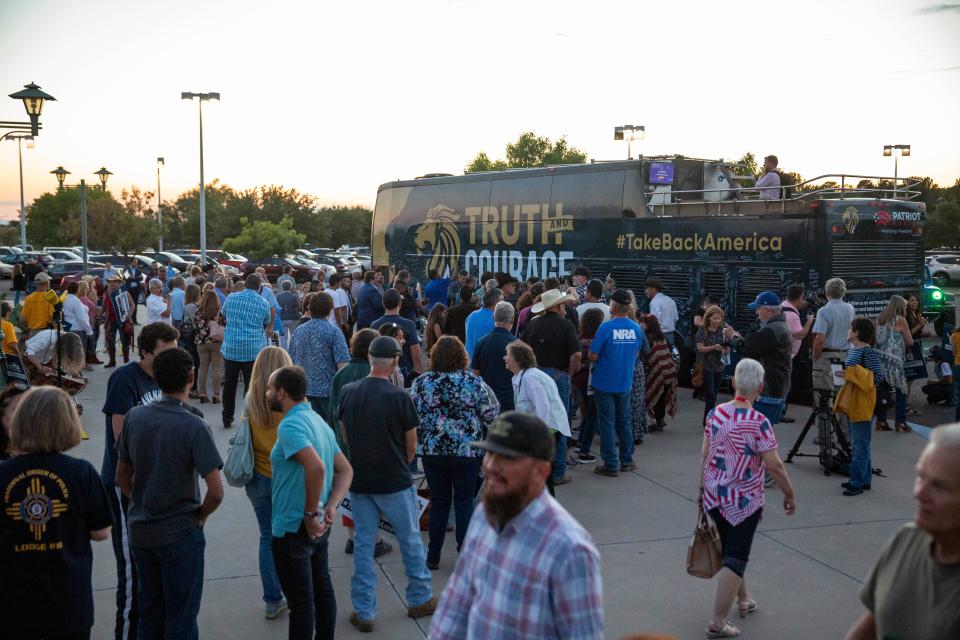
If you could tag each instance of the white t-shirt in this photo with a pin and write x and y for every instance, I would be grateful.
(665, 309)
(156, 305)
(340, 299)
(586, 306)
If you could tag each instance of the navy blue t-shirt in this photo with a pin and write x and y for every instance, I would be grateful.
(129, 386)
(488, 360)
(616, 343)
(409, 334)
(436, 292)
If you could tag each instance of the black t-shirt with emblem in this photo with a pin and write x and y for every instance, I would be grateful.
(51, 502)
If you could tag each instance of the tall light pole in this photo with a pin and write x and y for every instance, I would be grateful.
(187, 95)
(33, 99)
(160, 163)
(630, 133)
(20, 137)
(891, 150)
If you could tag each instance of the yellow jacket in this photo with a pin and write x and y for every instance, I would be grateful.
(858, 396)
(37, 313)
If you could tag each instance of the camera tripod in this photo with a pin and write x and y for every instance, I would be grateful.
(834, 456)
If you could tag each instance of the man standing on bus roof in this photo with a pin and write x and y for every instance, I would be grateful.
(664, 308)
(769, 182)
(830, 337)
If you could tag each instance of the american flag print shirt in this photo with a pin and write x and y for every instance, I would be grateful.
(538, 578)
(733, 474)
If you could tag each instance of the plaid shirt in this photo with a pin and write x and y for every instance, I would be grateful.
(537, 578)
(247, 315)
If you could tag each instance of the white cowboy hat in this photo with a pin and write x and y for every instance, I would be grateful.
(552, 298)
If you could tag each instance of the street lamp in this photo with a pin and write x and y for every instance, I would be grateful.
(202, 97)
(160, 163)
(20, 137)
(33, 99)
(62, 174)
(630, 133)
(891, 150)
(103, 174)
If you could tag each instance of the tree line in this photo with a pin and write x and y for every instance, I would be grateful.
(262, 221)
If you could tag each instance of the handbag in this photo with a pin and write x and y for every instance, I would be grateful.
(127, 328)
(704, 555)
(238, 467)
(696, 378)
(885, 398)
(216, 331)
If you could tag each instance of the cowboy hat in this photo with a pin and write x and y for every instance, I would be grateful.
(552, 298)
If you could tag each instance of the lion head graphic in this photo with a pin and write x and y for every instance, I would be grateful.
(850, 219)
(438, 235)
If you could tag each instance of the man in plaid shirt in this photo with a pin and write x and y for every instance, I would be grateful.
(248, 324)
(527, 569)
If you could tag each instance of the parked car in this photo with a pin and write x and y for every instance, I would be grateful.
(144, 262)
(274, 268)
(22, 257)
(944, 267)
(168, 258)
(315, 265)
(6, 271)
(937, 304)
(96, 272)
(229, 268)
(222, 257)
(61, 270)
(65, 255)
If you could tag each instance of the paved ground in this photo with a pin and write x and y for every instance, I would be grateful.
(806, 570)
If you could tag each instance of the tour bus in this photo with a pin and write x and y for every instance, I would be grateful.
(694, 223)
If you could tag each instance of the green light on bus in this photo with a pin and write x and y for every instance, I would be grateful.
(937, 295)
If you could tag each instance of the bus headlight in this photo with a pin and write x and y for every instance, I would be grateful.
(938, 295)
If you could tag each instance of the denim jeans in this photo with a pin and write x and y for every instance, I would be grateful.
(711, 388)
(563, 387)
(588, 424)
(259, 492)
(861, 468)
(772, 408)
(400, 510)
(321, 406)
(304, 569)
(613, 423)
(169, 587)
(451, 479)
(232, 370)
(899, 407)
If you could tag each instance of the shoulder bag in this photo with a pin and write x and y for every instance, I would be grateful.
(238, 467)
(704, 555)
(215, 329)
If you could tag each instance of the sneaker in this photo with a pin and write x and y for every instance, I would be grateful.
(349, 547)
(630, 466)
(604, 470)
(433, 563)
(274, 609)
(564, 480)
(847, 485)
(366, 626)
(852, 491)
(586, 457)
(382, 548)
(425, 609)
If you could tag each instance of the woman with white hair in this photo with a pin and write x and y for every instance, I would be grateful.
(738, 446)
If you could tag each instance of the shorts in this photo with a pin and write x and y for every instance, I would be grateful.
(736, 540)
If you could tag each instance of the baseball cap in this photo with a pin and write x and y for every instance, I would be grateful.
(518, 435)
(765, 299)
(621, 296)
(41, 277)
(384, 347)
(391, 298)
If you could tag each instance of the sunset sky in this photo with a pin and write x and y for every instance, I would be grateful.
(335, 98)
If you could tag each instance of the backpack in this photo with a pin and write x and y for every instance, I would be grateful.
(786, 185)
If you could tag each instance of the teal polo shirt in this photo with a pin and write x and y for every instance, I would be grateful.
(300, 428)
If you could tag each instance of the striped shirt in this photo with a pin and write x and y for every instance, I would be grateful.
(733, 475)
(537, 578)
(247, 315)
(868, 358)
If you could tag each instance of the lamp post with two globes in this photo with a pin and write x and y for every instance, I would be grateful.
(103, 174)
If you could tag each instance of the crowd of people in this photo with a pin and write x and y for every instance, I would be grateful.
(493, 387)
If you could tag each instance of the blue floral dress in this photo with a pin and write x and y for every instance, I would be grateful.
(455, 409)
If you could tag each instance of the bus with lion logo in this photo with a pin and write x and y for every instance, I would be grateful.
(696, 224)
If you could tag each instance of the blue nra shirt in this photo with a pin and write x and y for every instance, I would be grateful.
(616, 344)
(300, 428)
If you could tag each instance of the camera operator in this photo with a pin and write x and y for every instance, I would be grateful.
(830, 338)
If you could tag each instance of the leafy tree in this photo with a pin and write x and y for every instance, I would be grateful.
(10, 233)
(344, 225)
(263, 238)
(529, 150)
(749, 165)
(943, 224)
